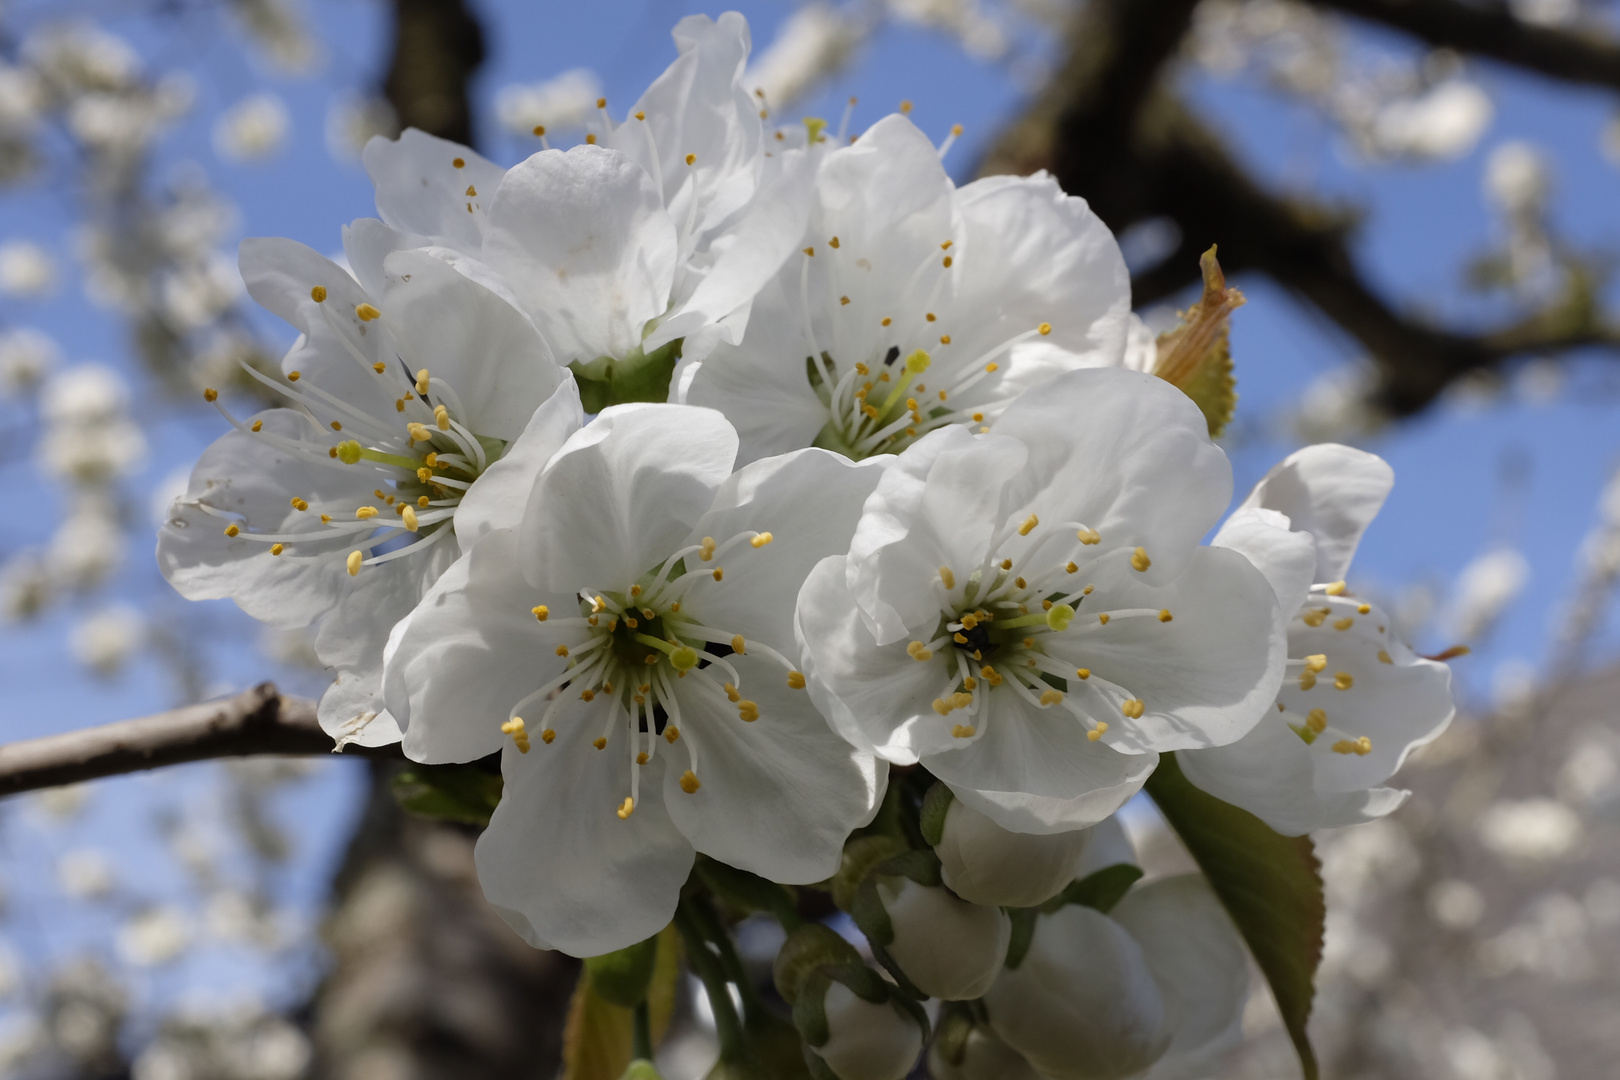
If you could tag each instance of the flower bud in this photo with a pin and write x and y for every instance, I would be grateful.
(948, 948)
(984, 1057)
(986, 864)
(1082, 1005)
(866, 1040)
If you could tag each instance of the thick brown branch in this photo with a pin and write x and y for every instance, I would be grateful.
(256, 721)
(438, 45)
(1493, 31)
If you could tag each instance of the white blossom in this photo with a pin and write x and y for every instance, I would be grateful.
(1483, 591)
(646, 598)
(86, 547)
(1028, 612)
(562, 103)
(85, 873)
(921, 304)
(353, 120)
(1517, 178)
(106, 640)
(948, 948)
(814, 41)
(867, 1040)
(1443, 123)
(986, 864)
(252, 129)
(1530, 829)
(26, 356)
(154, 936)
(984, 1057)
(26, 270)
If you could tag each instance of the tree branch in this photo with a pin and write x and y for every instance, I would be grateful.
(256, 721)
(1494, 31)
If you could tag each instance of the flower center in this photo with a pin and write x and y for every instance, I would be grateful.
(423, 460)
(630, 649)
(1310, 719)
(997, 633)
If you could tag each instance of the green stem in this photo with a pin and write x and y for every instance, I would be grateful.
(709, 923)
(642, 1035)
(706, 966)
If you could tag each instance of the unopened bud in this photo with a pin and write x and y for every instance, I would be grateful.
(948, 948)
(987, 864)
(1082, 1004)
(867, 1040)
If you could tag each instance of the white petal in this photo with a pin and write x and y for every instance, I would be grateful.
(489, 354)
(559, 864)
(367, 242)
(1330, 491)
(1126, 454)
(1286, 558)
(497, 498)
(635, 482)
(1205, 677)
(352, 711)
(584, 241)
(420, 189)
(1201, 967)
(987, 864)
(779, 795)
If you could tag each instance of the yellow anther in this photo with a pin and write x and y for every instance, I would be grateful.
(408, 517)
(641, 758)
(1313, 618)
(962, 731)
(1020, 583)
(1316, 720)
(441, 417)
(1343, 624)
(294, 376)
(739, 646)
(731, 693)
(684, 658)
(886, 321)
(379, 367)
(748, 711)
(1094, 734)
(796, 680)
(318, 294)
(706, 549)
(1140, 560)
(276, 549)
(1316, 662)
(833, 243)
(210, 395)
(946, 263)
(512, 726)
(1364, 609)
(562, 650)
(326, 519)
(626, 808)
(918, 651)
(600, 742)
(942, 706)
(1006, 564)
(258, 425)
(1343, 680)
(761, 540)
(337, 425)
(590, 140)
(690, 158)
(671, 733)
(1059, 616)
(422, 380)
(1087, 590)
(1360, 747)
(1088, 536)
(419, 431)
(969, 621)
(945, 339)
(1307, 680)
(1164, 615)
(1029, 525)
(991, 368)
(587, 695)
(956, 129)
(366, 312)
(1132, 708)
(540, 612)
(1335, 589)
(990, 675)
(1082, 673)
(690, 782)
(1051, 697)
(231, 530)
(1384, 657)
(947, 577)
(353, 562)
(1045, 328)
(458, 163)
(810, 251)
(365, 513)
(424, 474)
(1103, 618)
(969, 682)
(546, 736)
(959, 639)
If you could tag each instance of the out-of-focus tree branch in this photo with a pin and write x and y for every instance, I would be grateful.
(1110, 129)
(438, 45)
(1493, 30)
(256, 721)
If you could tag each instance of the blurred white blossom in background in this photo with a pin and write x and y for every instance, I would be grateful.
(105, 640)
(252, 129)
(1483, 591)
(27, 270)
(562, 103)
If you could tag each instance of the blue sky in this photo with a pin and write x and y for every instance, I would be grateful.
(1449, 503)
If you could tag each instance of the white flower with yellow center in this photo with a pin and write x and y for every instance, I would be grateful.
(1356, 700)
(1028, 612)
(407, 412)
(647, 242)
(914, 304)
(630, 649)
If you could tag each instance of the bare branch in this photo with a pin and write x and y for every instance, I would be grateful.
(1493, 30)
(438, 45)
(256, 721)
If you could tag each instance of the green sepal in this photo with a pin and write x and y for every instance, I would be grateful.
(466, 794)
(920, 866)
(1270, 885)
(870, 915)
(642, 1069)
(955, 1025)
(1101, 889)
(748, 892)
(637, 377)
(931, 819)
(810, 1010)
(903, 983)
(1023, 934)
(860, 855)
(819, 1070)
(806, 949)
(622, 977)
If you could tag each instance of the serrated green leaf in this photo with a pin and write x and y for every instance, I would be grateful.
(1271, 885)
(598, 1036)
(466, 794)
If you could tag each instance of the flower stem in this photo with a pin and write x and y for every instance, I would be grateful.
(706, 966)
(642, 1035)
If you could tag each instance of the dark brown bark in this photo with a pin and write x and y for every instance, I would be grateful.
(438, 45)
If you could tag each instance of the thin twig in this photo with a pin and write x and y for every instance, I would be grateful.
(256, 721)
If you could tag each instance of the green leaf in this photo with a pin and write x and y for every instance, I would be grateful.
(598, 1037)
(1101, 889)
(1271, 885)
(622, 977)
(461, 793)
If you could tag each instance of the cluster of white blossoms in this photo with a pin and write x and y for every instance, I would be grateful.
(767, 500)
